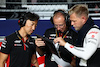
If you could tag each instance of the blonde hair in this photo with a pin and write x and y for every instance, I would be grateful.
(79, 9)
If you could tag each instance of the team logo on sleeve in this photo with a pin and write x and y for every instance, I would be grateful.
(93, 36)
(4, 44)
(71, 46)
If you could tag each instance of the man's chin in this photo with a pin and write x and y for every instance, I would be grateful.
(77, 29)
(30, 34)
(60, 31)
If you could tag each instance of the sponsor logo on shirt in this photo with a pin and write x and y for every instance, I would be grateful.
(93, 32)
(68, 37)
(92, 42)
(31, 42)
(17, 41)
(53, 35)
(17, 44)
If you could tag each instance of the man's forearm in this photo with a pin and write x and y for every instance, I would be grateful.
(1, 64)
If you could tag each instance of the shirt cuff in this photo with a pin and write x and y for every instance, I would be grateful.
(67, 45)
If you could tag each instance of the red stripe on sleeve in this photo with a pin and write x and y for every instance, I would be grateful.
(8, 61)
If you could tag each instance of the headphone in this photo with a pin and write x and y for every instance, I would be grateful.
(22, 20)
(27, 16)
(66, 16)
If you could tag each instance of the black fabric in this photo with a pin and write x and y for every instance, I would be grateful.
(82, 32)
(94, 60)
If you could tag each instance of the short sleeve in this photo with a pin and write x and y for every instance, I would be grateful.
(6, 46)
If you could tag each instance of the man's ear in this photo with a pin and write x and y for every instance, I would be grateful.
(84, 19)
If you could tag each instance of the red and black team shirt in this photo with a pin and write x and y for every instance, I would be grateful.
(19, 52)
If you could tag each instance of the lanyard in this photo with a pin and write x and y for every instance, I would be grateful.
(57, 45)
(22, 41)
(63, 36)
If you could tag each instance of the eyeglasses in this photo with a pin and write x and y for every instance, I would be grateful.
(61, 25)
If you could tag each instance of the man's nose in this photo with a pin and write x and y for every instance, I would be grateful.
(72, 23)
(33, 27)
(58, 28)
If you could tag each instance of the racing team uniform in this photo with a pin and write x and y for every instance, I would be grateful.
(69, 36)
(19, 52)
(89, 45)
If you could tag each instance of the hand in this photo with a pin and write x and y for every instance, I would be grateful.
(59, 66)
(39, 42)
(60, 40)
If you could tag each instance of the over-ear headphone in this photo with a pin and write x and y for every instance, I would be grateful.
(22, 20)
(27, 16)
(66, 16)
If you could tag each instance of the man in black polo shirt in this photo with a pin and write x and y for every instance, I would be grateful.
(62, 28)
(18, 49)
